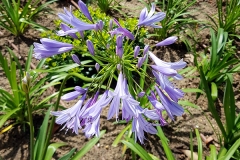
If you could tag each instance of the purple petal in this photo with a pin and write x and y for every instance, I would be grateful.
(168, 41)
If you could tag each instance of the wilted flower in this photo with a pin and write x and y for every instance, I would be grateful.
(49, 48)
(148, 19)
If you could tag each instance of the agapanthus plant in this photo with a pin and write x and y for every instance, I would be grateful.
(125, 64)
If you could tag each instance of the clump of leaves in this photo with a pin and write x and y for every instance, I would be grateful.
(16, 16)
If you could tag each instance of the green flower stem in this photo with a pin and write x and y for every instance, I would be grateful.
(31, 127)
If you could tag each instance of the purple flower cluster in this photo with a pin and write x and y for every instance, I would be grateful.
(85, 114)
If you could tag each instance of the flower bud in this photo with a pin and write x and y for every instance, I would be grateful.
(146, 49)
(84, 10)
(76, 59)
(97, 66)
(90, 47)
(136, 51)
(141, 94)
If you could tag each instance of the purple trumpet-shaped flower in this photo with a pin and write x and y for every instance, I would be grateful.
(73, 95)
(84, 9)
(92, 115)
(70, 116)
(146, 49)
(167, 68)
(141, 60)
(49, 48)
(172, 108)
(76, 59)
(117, 94)
(167, 86)
(77, 24)
(119, 47)
(90, 47)
(167, 41)
(158, 108)
(148, 19)
(64, 31)
(97, 66)
(136, 51)
(139, 125)
(122, 31)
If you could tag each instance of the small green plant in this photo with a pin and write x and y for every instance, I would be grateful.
(230, 130)
(13, 103)
(15, 17)
(220, 63)
(104, 5)
(227, 17)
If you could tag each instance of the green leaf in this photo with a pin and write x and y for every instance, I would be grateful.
(118, 138)
(5, 117)
(213, 152)
(193, 90)
(165, 145)
(87, 147)
(41, 138)
(231, 151)
(68, 155)
(29, 59)
(187, 103)
(229, 106)
(137, 149)
(51, 149)
(199, 141)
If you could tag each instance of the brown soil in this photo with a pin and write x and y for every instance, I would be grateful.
(14, 143)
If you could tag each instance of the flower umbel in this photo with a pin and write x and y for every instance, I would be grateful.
(141, 99)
